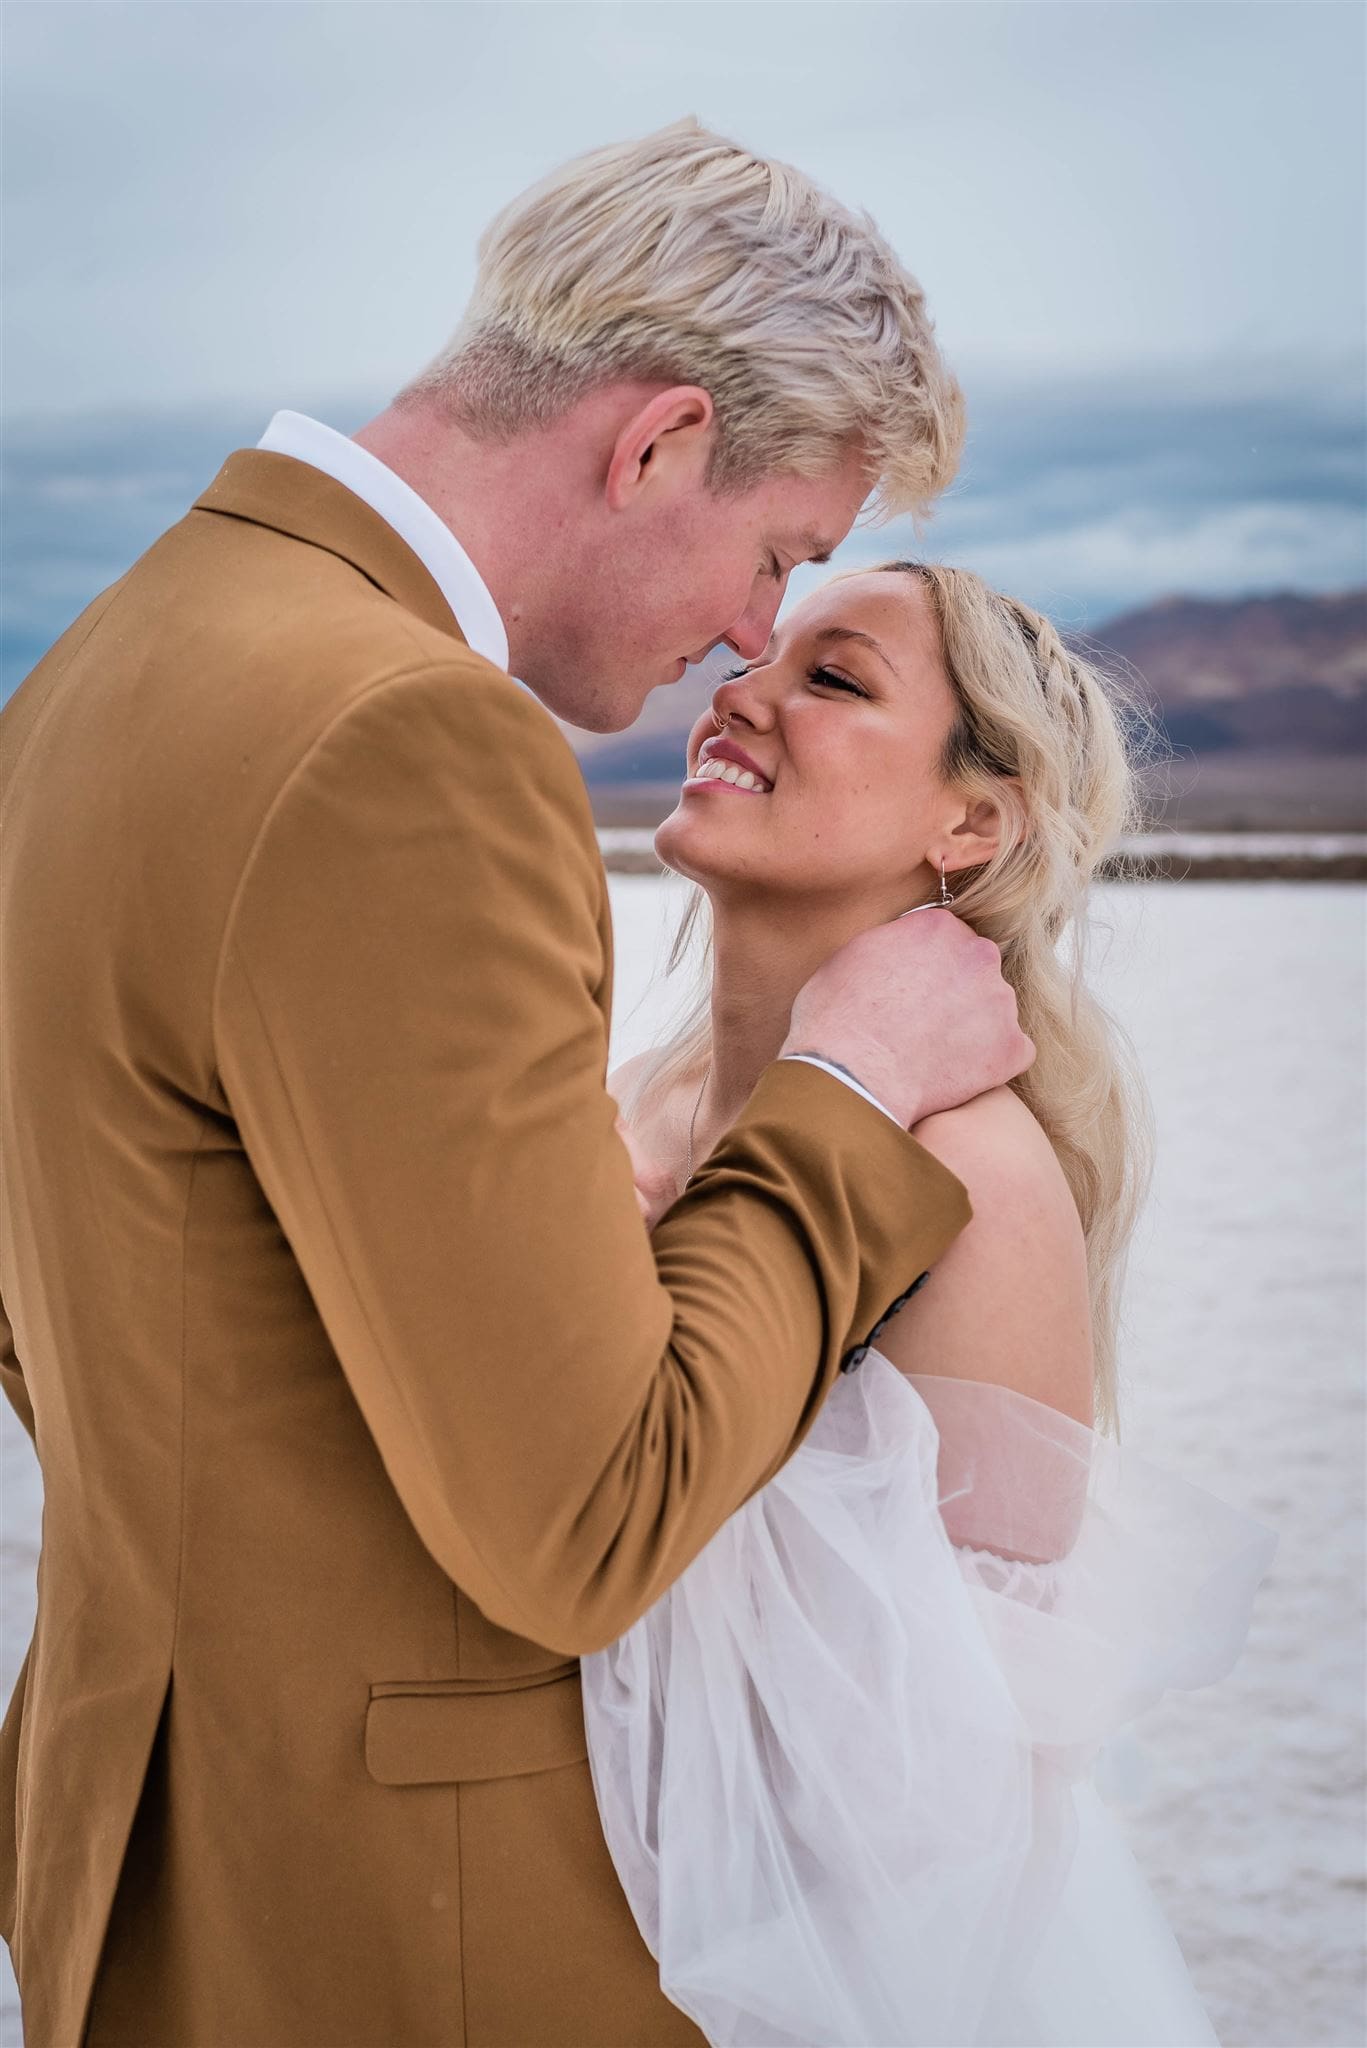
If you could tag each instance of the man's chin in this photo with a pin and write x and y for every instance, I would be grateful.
(589, 709)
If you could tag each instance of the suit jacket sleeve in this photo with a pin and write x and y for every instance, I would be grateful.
(409, 1033)
(12, 1374)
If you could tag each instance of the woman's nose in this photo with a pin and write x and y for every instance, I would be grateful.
(741, 697)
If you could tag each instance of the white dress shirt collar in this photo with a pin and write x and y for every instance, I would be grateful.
(412, 518)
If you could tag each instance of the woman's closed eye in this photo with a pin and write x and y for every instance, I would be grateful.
(829, 680)
(825, 678)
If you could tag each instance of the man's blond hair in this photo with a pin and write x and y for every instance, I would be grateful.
(683, 256)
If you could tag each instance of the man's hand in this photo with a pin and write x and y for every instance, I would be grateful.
(918, 1011)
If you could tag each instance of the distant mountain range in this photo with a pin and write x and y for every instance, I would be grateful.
(1284, 674)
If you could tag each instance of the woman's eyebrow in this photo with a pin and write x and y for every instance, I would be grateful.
(861, 639)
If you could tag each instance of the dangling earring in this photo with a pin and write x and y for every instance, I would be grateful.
(940, 902)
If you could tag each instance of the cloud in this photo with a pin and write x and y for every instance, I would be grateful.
(209, 199)
(1088, 496)
(1080, 573)
(1084, 498)
(1140, 229)
(84, 496)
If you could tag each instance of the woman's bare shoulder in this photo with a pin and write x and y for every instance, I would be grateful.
(1008, 1302)
(994, 1134)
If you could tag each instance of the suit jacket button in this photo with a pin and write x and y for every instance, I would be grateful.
(854, 1359)
(884, 1320)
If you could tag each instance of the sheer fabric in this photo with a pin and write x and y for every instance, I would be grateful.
(844, 1764)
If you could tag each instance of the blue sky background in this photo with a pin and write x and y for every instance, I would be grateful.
(1140, 224)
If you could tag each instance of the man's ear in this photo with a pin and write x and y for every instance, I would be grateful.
(666, 442)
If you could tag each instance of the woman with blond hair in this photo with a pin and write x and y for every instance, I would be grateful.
(844, 1763)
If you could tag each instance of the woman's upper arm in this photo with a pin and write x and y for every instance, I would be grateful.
(1008, 1301)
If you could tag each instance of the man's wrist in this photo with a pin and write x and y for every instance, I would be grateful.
(843, 1073)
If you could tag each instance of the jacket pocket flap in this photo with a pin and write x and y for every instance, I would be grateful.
(433, 1737)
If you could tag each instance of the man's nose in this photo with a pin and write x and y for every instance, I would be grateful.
(754, 629)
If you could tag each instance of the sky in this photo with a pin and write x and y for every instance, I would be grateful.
(1140, 225)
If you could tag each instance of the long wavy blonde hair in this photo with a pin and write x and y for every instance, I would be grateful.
(1071, 739)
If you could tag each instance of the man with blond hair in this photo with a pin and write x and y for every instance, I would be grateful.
(365, 1403)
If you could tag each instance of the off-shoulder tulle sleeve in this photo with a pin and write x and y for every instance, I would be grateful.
(836, 1762)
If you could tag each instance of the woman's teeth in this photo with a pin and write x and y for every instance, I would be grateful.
(727, 771)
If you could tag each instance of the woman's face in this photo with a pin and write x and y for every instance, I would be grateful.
(844, 718)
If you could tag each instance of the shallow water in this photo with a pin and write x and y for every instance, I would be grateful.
(1243, 1368)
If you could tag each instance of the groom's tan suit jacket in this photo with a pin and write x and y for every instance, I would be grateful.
(364, 1403)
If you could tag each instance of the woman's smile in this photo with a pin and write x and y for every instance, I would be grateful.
(724, 764)
(725, 776)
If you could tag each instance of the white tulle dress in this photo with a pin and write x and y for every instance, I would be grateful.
(845, 1765)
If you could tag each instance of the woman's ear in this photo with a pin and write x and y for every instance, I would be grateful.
(981, 828)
